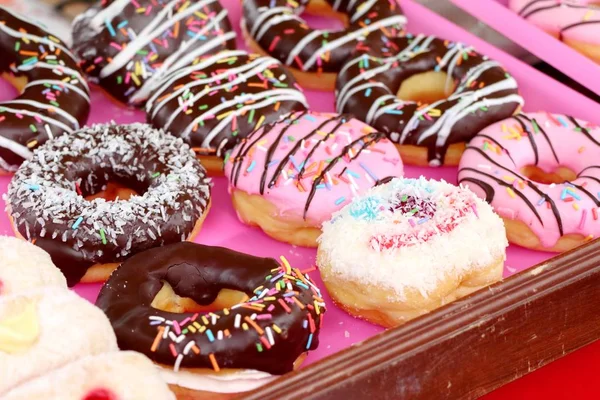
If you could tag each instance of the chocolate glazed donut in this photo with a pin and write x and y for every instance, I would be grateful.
(268, 332)
(485, 93)
(54, 99)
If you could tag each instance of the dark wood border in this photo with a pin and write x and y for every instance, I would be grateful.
(470, 347)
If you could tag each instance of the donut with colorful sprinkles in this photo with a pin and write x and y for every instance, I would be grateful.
(58, 199)
(416, 244)
(126, 46)
(54, 97)
(155, 299)
(379, 86)
(541, 173)
(290, 176)
(315, 56)
(220, 99)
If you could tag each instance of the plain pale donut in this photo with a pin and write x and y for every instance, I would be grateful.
(111, 376)
(38, 333)
(407, 247)
(24, 267)
(237, 348)
(541, 173)
(290, 176)
(48, 200)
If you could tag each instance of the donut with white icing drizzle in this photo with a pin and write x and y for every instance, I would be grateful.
(49, 201)
(485, 93)
(126, 46)
(315, 56)
(515, 165)
(54, 96)
(220, 99)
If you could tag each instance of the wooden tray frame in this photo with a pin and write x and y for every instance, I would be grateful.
(469, 347)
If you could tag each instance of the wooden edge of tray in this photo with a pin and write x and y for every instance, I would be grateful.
(469, 347)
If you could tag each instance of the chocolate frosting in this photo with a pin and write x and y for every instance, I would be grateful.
(279, 30)
(56, 98)
(46, 197)
(127, 46)
(267, 333)
(220, 99)
(485, 93)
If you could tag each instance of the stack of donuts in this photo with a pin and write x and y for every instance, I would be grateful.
(122, 204)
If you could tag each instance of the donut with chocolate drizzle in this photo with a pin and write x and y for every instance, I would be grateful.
(54, 96)
(268, 332)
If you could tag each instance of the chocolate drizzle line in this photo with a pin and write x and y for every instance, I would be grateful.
(267, 333)
(46, 197)
(54, 101)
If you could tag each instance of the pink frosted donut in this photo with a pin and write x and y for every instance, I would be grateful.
(575, 22)
(515, 165)
(290, 176)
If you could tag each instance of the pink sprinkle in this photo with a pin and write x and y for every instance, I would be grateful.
(583, 218)
(116, 46)
(264, 316)
(474, 207)
(177, 327)
(412, 222)
(271, 308)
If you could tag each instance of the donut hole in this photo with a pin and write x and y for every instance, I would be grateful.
(110, 185)
(426, 87)
(559, 175)
(320, 15)
(167, 300)
(11, 86)
(114, 191)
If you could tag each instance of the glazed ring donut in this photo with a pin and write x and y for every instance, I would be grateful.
(315, 56)
(290, 176)
(47, 202)
(479, 92)
(34, 334)
(25, 267)
(127, 46)
(407, 247)
(115, 375)
(541, 173)
(54, 97)
(238, 348)
(222, 98)
(575, 22)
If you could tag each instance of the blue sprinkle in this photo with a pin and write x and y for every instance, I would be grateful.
(321, 186)
(423, 220)
(354, 174)
(563, 195)
(251, 166)
(296, 165)
(368, 92)
(210, 335)
(368, 171)
(274, 162)
(34, 187)
(541, 201)
(76, 224)
(302, 285)
(392, 111)
(310, 118)
(562, 121)
(110, 28)
(309, 341)
(340, 201)
(277, 277)
(572, 193)
(122, 24)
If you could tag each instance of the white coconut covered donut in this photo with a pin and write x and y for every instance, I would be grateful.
(409, 246)
(34, 334)
(110, 376)
(24, 267)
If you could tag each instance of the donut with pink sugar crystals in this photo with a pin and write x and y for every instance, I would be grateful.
(288, 177)
(409, 246)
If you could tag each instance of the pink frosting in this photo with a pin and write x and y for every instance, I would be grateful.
(339, 157)
(572, 19)
(493, 160)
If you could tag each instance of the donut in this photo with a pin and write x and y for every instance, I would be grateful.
(475, 91)
(315, 56)
(575, 22)
(155, 302)
(109, 376)
(541, 174)
(48, 198)
(290, 176)
(25, 267)
(35, 338)
(54, 97)
(407, 247)
(126, 46)
(219, 99)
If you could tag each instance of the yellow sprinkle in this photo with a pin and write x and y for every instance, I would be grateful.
(588, 15)
(192, 329)
(205, 320)
(576, 206)
(135, 79)
(590, 237)
(202, 329)
(508, 178)
(286, 264)
(511, 192)
(317, 308)
(245, 326)
(197, 325)
(504, 128)
(221, 116)
(226, 311)
(581, 149)
(276, 328)
(260, 121)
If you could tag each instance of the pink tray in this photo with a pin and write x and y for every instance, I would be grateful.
(222, 227)
(496, 14)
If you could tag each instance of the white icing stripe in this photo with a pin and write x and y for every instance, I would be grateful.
(4, 166)
(108, 13)
(397, 19)
(59, 83)
(345, 95)
(38, 39)
(58, 70)
(376, 106)
(475, 73)
(265, 15)
(52, 121)
(152, 31)
(301, 45)
(18, 149)
(275, 21)
(362, 9)
(55, 109)
(358, 89)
